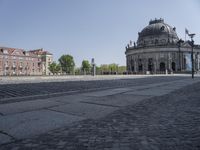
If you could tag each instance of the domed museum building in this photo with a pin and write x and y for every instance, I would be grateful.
(159, 50)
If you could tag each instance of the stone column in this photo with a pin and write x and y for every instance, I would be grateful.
(135, 70)
(169, 62)
(155, 66)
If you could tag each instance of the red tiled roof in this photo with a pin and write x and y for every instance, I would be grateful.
(31, 52)
(11, 50)
(40, 52)
(21, 51)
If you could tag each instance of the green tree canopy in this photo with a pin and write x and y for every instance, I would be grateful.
(104, 68)
(113, 67)
(77, 71)
(121, 69)
(85, 66)
(54, 68)
(67, 63)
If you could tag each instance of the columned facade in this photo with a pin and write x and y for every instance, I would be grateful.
(157, 51)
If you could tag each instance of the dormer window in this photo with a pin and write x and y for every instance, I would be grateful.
(162, 28)
(5, 51)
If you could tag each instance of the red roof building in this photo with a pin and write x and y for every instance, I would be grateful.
(15, 61)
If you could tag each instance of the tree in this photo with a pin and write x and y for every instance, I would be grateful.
(113, 67)
(85, 66)
(98, 70)
(77, 71)
(67, 63)
(104, 68)
(54, 68)
(121, 69)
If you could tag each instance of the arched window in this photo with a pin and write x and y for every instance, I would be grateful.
(173, 66)
(140, 66)
(150, 64)
(132, 65)
(162, 66)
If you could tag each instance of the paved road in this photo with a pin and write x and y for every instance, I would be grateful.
(154, 113)
(15, 92)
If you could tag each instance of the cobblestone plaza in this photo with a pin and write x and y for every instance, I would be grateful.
(145, 112)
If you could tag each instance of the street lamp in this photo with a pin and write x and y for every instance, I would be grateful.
(93, 67)
(179, 56)
(192, 57)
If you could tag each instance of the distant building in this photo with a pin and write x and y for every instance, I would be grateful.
(46, 60)
(158, 50)
(14, 61)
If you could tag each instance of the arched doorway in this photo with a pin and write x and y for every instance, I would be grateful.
(162, 66)
(140, 67)
(150, 64)
(173, 66)
(132, 65)
(132, 68)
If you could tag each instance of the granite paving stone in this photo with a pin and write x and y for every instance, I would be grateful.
(107, 92)
(42, 89)
(84, 110)
(118, 100)
(166, 122)
(18, 107)
(119, 114)
(4, 138)
(23, 125)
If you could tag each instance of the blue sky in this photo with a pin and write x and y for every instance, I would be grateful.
(88, 29)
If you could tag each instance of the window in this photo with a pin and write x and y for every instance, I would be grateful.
(161, 55)
(14, 64)
(150, 64)
(6, 64)
(140, 66)
(21, 64)
(162, 28)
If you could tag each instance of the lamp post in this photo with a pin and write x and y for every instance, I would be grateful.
(93, 67)
(192, 57)
(179, 51)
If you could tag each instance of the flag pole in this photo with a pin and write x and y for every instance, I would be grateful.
(185, 36)
(186, 32)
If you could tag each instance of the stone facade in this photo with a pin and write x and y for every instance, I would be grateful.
(157, 51)
(15, 61)
(46, 60)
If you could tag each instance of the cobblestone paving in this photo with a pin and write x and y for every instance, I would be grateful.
(33, 89)
(161, 123)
